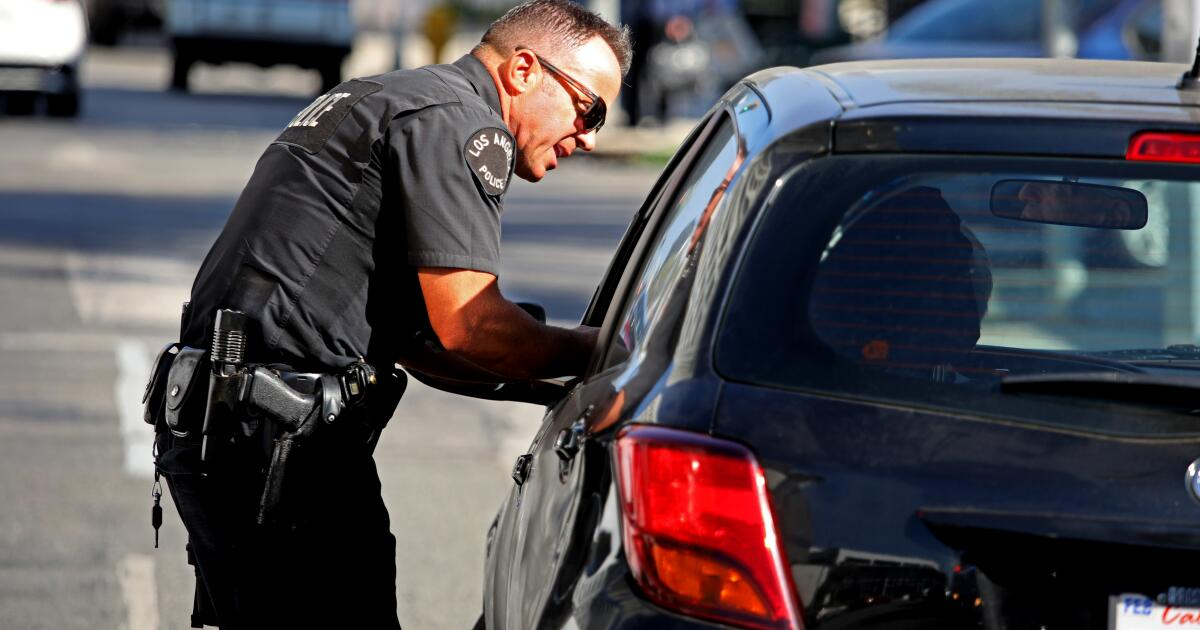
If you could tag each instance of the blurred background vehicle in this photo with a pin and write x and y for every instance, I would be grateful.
(687, 52)
(42, 43)
(1105, 29)
(314, 35)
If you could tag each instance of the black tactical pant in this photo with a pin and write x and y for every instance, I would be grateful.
(335, 569)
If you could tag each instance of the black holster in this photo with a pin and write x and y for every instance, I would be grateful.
(348, 412)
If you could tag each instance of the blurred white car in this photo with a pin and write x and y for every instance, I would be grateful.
(42, 43)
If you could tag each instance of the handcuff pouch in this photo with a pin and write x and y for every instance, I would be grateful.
(153, 405)
(184, 402)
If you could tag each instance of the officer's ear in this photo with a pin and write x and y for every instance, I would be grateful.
(521, 72)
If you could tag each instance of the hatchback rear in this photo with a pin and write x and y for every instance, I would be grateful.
(971, 414)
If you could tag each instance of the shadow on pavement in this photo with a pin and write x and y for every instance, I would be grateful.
(111, 107)
(170, 227)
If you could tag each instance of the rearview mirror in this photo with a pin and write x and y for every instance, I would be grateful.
(1069, 203)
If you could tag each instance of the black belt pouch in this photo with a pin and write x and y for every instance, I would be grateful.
(186, 389)
(152, 399)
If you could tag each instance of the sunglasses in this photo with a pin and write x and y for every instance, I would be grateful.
(593, 116)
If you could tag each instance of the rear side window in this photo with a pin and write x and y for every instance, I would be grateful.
(664, 258)
(935, 283)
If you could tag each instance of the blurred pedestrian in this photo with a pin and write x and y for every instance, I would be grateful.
(670, 57)
(678, 64)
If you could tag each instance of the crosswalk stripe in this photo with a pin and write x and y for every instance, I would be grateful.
(139, 588)
(133, 370)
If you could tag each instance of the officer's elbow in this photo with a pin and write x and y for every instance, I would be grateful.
(465, 341)
(456, 340)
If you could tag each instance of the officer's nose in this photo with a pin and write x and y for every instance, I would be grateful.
(586, 141)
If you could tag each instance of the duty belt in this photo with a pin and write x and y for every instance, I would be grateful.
(300, 404)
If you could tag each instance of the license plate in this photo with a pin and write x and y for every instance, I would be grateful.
(1138, 612)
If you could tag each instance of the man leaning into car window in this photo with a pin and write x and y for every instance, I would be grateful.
(367, 236)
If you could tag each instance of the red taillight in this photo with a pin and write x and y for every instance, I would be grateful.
(699, 530)
(1157, 146)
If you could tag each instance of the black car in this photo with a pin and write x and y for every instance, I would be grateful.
(876, 353)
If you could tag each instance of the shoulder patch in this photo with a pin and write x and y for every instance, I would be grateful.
(489, 154)
(315, 124)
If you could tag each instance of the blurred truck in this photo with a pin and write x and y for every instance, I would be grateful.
(110, 19)
(314, 34)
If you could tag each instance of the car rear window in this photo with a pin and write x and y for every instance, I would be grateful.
(905, 279)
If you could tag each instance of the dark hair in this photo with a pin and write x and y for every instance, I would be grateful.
(562, 23)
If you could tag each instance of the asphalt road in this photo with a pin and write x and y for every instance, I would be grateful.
(103, 222)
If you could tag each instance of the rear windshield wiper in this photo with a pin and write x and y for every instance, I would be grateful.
(1155, 389)
(1179, 353)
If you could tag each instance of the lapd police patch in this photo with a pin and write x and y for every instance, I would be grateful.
(489, 153)
(315, 124)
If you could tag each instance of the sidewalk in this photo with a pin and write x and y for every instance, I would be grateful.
(653, 143)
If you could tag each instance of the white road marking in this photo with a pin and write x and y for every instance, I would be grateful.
(133, 370)
(52, 341)
(76, 154)
(128, 290)
(135, 572)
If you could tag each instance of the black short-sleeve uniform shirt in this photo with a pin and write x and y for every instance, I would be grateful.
(372, 180)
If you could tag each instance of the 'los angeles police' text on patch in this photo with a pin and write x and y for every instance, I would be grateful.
(489, 154)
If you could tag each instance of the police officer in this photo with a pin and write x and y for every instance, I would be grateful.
(370, 233)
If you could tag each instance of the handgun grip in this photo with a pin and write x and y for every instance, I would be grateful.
(269, 393)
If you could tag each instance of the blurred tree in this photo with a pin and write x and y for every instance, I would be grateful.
(438, 28)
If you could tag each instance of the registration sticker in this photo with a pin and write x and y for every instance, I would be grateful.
(1138, 612)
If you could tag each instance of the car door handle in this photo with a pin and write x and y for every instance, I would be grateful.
(520, 470)
(566, 445)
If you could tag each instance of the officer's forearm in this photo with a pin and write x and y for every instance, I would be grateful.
(446, 365)
(474, 322)
(506, 341)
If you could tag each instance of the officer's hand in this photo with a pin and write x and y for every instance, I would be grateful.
(591, 336)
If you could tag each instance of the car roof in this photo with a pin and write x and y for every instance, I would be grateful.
(872, 83)
(1020, 106)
